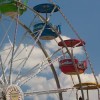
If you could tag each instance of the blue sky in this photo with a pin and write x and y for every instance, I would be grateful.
(84, 16)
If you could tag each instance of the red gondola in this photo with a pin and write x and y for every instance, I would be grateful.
(67, 67)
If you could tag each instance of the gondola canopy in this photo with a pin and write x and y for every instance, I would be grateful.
(72, 43)
(46, 8)
(87, 86)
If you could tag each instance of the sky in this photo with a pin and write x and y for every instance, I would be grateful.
(84, 16)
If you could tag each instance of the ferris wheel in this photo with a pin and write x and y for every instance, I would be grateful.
(31, 48)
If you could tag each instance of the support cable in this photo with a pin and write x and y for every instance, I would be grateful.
(14, 40)
(31, 49)
(3, 73)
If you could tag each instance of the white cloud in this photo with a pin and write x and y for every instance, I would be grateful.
(40, 83)
(53, 45)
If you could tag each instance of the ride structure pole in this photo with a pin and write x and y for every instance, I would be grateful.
(87, 94)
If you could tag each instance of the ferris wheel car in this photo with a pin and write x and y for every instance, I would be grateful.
(10, 7)
(67, 66)
(47, 31)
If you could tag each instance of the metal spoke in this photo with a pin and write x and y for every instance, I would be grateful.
(47, 92)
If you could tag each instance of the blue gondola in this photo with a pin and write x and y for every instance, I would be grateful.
(47, 33)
